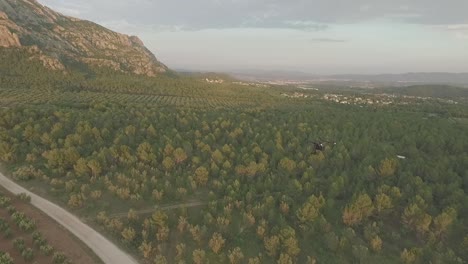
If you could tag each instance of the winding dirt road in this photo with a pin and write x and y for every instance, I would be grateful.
(103, 248)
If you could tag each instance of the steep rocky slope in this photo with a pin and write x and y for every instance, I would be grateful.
(59, 41)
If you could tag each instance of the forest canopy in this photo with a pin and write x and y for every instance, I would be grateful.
(182, 171)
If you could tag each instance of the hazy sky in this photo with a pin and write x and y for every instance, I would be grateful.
(316, 36)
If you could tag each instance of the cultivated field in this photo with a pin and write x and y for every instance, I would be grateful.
(29, 236)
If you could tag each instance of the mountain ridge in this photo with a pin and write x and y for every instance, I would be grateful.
(62, 41)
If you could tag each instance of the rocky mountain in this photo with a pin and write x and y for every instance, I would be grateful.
(60, 41)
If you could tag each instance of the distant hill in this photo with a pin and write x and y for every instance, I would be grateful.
(403, 79)
(207, 75)
(272, 75)
(62, 42)
(437, 91)
(421, 77)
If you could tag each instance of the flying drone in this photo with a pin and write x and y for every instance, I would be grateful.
(321, 145)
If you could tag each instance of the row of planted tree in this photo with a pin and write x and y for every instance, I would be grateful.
(24, 236)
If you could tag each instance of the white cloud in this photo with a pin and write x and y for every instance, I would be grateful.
(459, 31)
(327, 40)
(458, 27)
(295, 14)
(332, 35)
(364, 8)
(127, 27)
(305, 25)
(68, 11)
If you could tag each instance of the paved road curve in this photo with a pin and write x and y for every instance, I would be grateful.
(104, 249)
